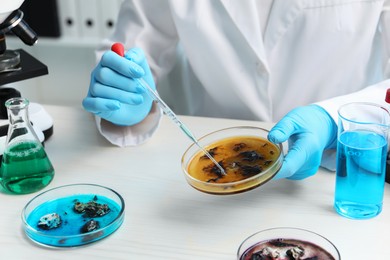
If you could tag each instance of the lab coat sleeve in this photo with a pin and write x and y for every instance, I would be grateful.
(375, 93)
(145, 24)
(123, 136)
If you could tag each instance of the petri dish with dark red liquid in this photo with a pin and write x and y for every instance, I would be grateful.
(286, 243)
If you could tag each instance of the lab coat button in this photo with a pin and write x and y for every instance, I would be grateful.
(261, 69)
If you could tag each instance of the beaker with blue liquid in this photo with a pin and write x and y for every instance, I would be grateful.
(362, 146)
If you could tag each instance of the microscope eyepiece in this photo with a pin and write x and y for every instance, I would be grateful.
(25, 33)
(19, 27)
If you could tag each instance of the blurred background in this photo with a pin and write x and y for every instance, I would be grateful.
(68, 33)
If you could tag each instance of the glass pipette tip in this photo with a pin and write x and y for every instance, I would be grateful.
(168, 111)
(118, 48)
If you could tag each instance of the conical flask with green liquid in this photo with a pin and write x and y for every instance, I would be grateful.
(25, 166)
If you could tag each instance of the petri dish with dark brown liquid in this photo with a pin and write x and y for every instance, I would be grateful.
(248, 158)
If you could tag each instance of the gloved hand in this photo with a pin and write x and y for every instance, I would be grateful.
(309, 130)
(113, 93)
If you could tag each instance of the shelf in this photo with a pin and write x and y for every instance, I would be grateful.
(61, 42)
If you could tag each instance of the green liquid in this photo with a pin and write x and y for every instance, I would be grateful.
(25, 168)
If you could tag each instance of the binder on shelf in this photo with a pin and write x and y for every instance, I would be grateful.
(69, 18)
(108, 16)
(89, 11)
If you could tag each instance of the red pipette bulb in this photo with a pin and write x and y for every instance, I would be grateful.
(118, 48)
(387, 99)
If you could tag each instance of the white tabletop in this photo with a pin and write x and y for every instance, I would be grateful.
(165, 218)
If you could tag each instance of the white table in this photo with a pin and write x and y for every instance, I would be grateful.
(166, 218)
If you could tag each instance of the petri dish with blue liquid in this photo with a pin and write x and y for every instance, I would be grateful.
(73, 215)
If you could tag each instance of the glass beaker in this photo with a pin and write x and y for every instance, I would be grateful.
(25, 167)
(363, 136)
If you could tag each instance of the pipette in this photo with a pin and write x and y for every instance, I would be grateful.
(119, 49)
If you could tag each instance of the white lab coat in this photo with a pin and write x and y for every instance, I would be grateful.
(311, 51)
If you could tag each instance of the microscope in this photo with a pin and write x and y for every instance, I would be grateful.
(17, 65)
(11, 22)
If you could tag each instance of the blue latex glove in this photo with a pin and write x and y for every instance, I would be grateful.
(113, 93)
(309, 130)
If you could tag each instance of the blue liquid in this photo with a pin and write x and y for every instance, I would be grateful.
(360, 175)
(69, 234)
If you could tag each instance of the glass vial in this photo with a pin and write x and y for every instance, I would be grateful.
(25, 167)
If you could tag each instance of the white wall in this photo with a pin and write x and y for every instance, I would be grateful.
(71, 58)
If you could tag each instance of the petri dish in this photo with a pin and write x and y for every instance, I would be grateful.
(9, 61)
(244, 152)
(287, 243)
(73, 215)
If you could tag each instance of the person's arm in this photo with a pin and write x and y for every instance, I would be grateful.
(311, 131)
(125, 114)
